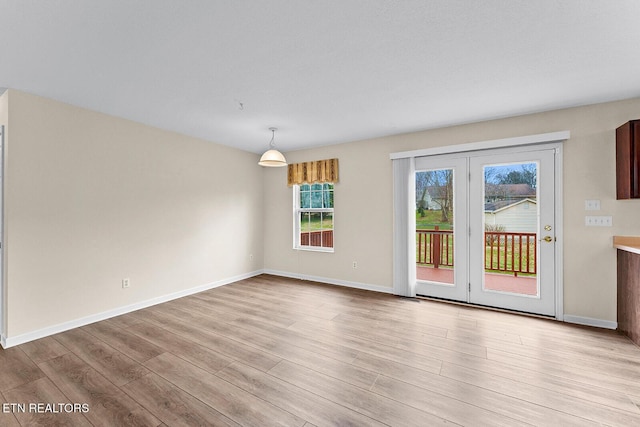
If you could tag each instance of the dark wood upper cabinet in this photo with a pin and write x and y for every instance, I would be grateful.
(628, 160)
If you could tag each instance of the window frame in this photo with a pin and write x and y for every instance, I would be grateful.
(297, 210)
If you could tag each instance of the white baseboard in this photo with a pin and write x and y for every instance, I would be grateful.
(348, 284)
(588, 321)
(65, 326)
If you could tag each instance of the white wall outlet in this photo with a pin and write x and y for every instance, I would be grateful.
(598, 221)
(592, 205)
(250, 257)
(125, 283)
(355, 264)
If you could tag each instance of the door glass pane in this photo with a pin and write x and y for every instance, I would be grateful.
(511, 226)
(434, 226)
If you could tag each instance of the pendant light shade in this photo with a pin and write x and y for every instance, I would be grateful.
(272, 158)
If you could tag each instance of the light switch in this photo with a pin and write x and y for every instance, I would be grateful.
(592, 205)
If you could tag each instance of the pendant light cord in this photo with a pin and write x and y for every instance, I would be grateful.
(272, 144)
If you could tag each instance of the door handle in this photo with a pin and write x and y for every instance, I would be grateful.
(548, 239)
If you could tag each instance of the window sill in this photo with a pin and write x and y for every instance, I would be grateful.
(314, 249)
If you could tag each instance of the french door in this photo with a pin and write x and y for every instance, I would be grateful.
(485, 228)
(441, 224)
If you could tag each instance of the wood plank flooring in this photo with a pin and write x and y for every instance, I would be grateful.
(270, 351)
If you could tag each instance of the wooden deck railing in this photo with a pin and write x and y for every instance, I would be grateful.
(510, 252)
(434, 247)
(320, 238)
(504, 251)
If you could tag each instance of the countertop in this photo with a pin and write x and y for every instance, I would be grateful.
(627, 243)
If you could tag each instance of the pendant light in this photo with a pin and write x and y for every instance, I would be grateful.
(272, 158)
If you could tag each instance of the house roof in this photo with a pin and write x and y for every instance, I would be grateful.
(321, 72)
(502, 205)
(510, 190)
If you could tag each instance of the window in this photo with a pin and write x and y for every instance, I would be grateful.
(313, 217)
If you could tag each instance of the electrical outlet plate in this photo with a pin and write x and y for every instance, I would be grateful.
(598, 221)
(126, 283)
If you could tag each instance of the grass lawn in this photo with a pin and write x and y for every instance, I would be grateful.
(430, 220)
(316, 222)
(500, 264)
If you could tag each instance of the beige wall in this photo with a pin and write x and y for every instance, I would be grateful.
(92, 199)
(363, 199)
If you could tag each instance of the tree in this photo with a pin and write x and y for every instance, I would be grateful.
(526, 175)
(421, 192)
(530, 174)
(438, 184)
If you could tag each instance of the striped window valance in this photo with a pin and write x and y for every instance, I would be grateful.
(318, 171)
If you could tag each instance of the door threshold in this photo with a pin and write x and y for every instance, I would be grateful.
(487, 307)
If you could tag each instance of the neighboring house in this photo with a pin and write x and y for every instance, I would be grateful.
(433, 197)
(519, 216)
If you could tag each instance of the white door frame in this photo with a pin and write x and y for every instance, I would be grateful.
(404, 239)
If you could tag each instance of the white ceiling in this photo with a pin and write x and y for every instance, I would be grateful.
(323, 71)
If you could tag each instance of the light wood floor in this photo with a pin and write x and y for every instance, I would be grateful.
(272, 351)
